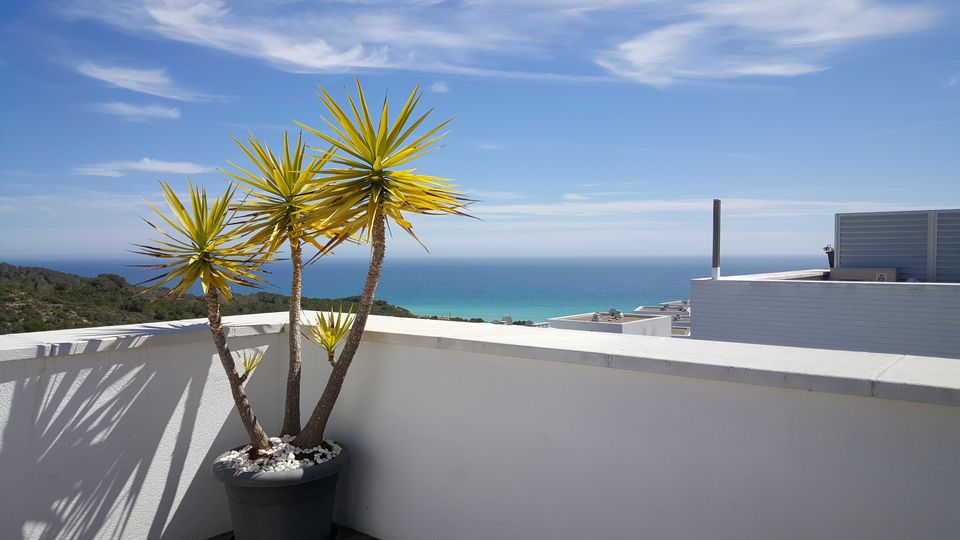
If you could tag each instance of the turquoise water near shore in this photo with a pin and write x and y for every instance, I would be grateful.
(523, 288)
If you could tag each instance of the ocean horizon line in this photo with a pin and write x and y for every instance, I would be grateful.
(133, 259)
(525, 288)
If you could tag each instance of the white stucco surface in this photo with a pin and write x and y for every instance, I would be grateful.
(778, 309)
(461, 430)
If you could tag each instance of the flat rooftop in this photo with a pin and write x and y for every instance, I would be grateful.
(822, 275)
(606, 318)
(671, 307)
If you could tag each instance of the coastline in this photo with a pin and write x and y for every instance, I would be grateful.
(532, 288)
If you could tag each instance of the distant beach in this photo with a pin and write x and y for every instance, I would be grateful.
(490, 288)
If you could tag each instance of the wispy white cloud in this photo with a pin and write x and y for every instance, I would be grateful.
(684, 40)
(575, 197)
(138, 113)
(495, 195)
(733, 208)
(73, 222)
(472, 71)
(257, 127)
(154, 82)
(440, 87)
(20, 173)
(95, 222)
(920, 126)
(682, 52)
(953, 80)
(74, 203)
(120, 168)
(718, 39)
(288, 42)
(490, 147)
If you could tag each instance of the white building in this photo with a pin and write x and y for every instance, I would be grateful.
(911, 305)
(677, 310)
(615, 322)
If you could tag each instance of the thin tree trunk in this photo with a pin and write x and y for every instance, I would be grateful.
(258, 437)
(291, 410)
(312, 434)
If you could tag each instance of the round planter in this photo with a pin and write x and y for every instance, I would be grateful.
(295, 504)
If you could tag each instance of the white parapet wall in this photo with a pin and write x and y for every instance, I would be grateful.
(474, 431)
(785, 309)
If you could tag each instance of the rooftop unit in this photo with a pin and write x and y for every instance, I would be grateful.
(678, 310)
(922, 245)
(863, 274)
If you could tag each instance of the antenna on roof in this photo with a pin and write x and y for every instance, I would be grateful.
(716, 239)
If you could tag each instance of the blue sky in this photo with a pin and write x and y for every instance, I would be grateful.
(584, 127)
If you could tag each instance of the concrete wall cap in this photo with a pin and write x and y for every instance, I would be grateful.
(891, 376)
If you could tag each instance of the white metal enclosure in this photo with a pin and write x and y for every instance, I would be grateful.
(924, 244)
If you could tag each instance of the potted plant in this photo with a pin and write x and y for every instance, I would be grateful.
(284, 486)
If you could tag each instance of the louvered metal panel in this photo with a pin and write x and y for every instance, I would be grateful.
(885, 240)
(948, 246)
(922, 245)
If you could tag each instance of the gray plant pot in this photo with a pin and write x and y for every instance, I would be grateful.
(293, 505)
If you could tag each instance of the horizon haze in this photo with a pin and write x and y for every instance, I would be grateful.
(583, 127)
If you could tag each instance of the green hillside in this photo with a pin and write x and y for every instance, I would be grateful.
(36, 299)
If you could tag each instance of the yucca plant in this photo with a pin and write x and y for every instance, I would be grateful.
(349, 192)
(281, 192)
(330, 329)
(202, 245)
(369, 185)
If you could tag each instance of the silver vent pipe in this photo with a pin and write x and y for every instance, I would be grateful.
(716, 239)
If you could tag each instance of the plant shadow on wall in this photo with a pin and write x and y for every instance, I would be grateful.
(85, 430)
(97, 424)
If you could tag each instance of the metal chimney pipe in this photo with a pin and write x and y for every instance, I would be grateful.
(716, 239)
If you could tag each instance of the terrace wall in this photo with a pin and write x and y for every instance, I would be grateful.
(468, 431)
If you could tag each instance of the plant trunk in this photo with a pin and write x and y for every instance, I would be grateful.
(258, 437)
(291, 409)
(312, 434)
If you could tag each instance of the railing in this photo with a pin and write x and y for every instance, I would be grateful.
(461, 430)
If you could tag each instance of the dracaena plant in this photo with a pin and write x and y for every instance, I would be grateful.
(348, 193)
(370, 183)
(201, 244)
(330, 329)
(281, 192)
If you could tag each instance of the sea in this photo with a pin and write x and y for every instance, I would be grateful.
(490, 288)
